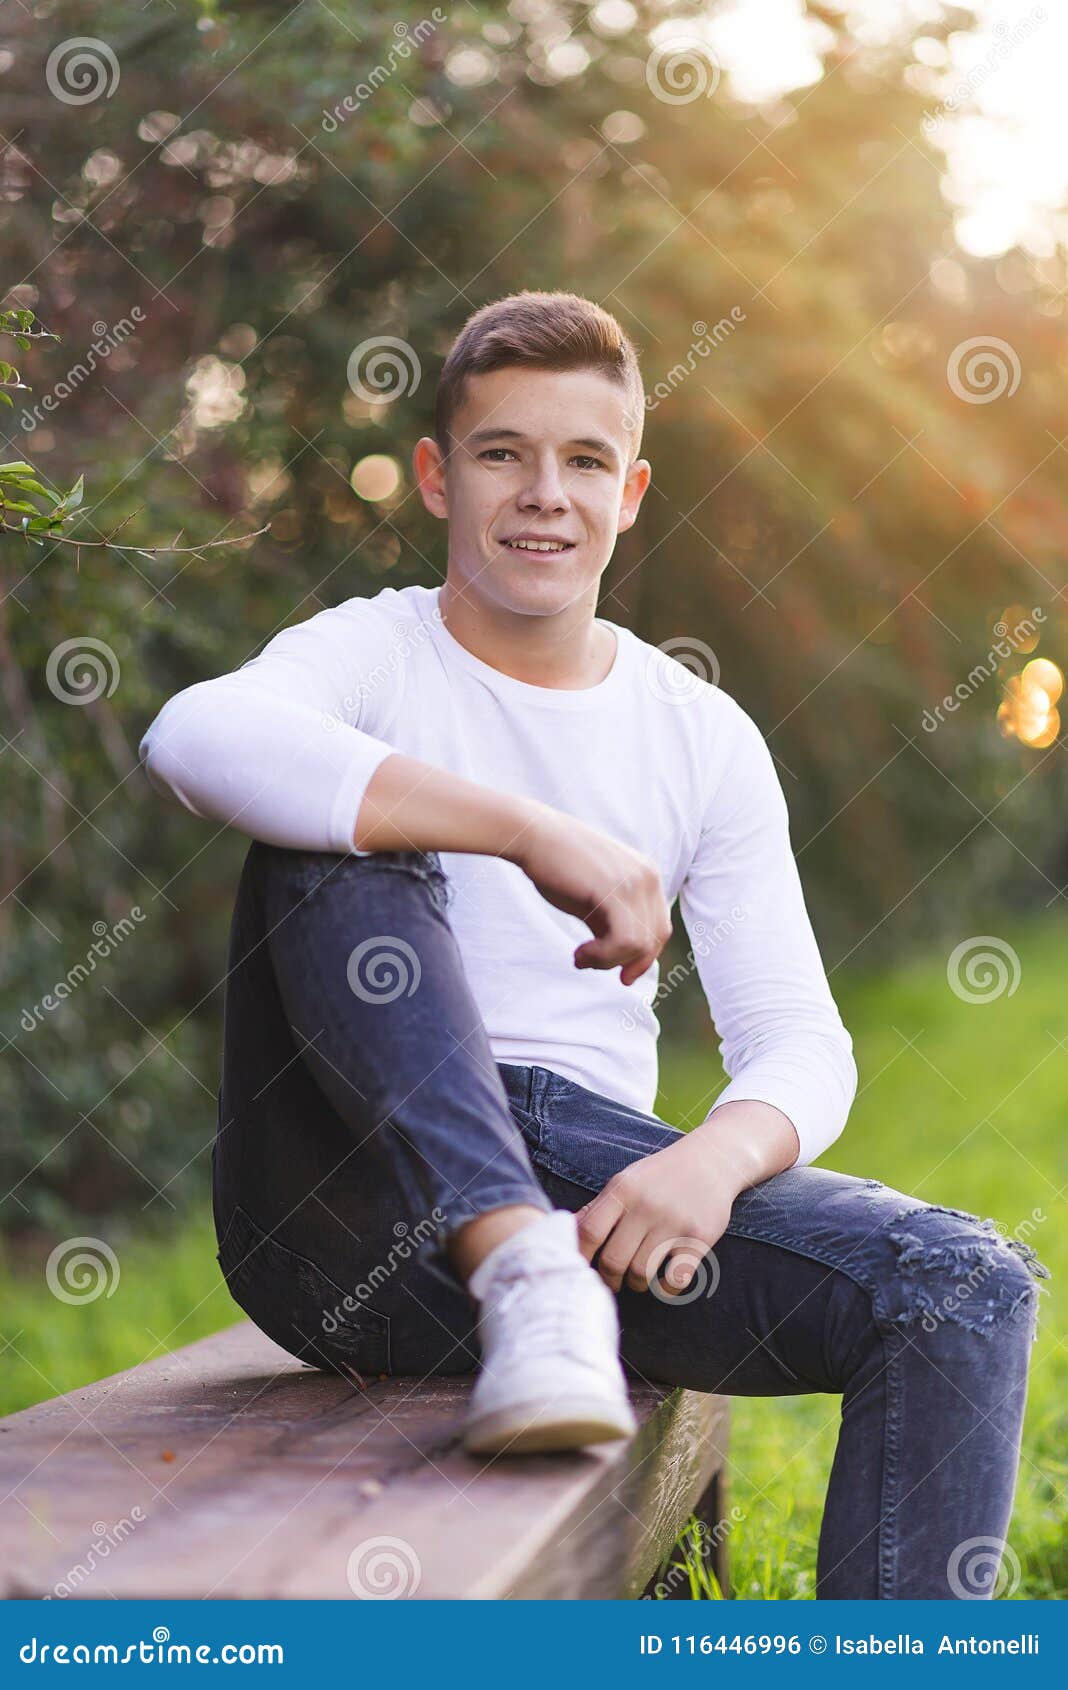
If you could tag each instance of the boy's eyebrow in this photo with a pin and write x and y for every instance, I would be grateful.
(593, 442)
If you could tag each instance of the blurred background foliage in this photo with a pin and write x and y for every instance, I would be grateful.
(828, 516)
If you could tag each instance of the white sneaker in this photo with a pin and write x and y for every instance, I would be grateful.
(551, 1376)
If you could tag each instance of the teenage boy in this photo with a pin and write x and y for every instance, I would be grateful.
(472, 809)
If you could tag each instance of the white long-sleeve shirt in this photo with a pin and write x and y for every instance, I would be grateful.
(283, 749)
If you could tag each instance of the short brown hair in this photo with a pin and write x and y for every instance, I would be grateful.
(548, 331)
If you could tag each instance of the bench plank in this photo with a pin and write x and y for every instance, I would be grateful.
(284, 1480)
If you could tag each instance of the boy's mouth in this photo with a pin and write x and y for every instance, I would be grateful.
(538, 545)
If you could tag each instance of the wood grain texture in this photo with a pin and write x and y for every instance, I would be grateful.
(239, 1472)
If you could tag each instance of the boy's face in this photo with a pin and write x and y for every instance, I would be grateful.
(539, 453)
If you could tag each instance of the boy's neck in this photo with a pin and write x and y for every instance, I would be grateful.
(570, 650)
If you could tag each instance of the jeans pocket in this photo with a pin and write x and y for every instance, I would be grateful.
(587, 1138)
(292, 1300)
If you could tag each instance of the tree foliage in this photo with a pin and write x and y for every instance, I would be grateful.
(833, 517)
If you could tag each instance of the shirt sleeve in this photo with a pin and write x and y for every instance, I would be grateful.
(272, 748)
(781, 1037)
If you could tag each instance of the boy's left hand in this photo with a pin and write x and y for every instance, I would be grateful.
(675, 1203)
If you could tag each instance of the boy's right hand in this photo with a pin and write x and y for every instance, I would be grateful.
(614, 889)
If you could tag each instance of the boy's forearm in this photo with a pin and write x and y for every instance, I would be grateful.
(750, 1141)
(413, 806)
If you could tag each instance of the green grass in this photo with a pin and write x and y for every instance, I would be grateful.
(960, 1103)
(168, 1292)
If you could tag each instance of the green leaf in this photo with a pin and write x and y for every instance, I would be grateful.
(17, 469)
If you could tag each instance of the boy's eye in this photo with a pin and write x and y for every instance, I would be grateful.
(498, 454)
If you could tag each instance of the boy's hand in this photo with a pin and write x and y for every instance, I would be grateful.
(673, 1204)
(615, 890)
(676, 1203)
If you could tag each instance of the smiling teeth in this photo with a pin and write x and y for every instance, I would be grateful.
(537, 545)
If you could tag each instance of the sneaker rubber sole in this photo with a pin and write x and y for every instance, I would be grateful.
(532, 1428)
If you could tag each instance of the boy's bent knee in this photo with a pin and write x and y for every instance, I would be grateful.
(306, 870)
(952, 1270)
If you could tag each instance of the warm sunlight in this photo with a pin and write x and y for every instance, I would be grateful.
(994, 97)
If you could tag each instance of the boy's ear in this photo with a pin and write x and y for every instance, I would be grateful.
(639, 475)
(428, 467)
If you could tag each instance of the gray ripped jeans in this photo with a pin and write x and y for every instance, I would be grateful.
(362, 1121)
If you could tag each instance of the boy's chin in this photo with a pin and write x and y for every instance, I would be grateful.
(538, 594)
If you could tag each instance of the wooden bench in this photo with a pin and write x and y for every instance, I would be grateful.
(229, 1469)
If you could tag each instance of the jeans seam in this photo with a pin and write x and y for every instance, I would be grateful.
(540, 1081)
(869, 1284)
(889, 1524)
